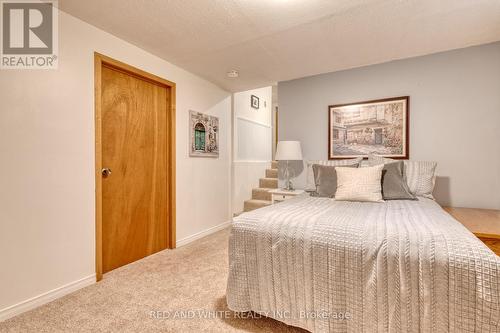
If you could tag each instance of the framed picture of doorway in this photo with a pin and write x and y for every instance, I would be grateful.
(204, 135)
(378, 127)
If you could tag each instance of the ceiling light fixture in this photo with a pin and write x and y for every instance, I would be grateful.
(232, 74)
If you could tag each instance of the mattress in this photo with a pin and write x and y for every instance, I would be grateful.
(330, 266)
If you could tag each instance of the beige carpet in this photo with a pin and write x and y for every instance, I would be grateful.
(192, 277)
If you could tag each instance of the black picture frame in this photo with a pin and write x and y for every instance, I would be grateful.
(254, 101)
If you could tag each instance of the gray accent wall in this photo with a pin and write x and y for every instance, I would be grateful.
(454, 116)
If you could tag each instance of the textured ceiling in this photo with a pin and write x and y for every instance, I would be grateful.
(275, 40)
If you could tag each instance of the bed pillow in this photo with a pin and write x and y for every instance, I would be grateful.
(394, 186)
(325, 179)
(421, 177)
(359, 184)
(311, 185)
(374, 160)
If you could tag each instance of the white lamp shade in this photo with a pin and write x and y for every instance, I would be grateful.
(288, 151)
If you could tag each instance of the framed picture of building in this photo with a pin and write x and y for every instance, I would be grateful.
(204, 131)
(378, 127)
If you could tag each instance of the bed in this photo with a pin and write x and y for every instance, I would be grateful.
(332, 266)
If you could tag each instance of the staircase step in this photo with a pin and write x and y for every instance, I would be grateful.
(268, 182)
(271, 173)
(253, 204)
(274, 165)
(261, 193)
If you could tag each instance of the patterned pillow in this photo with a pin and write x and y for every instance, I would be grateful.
(419, 175)
(311, 186)
(374, 160)
(421, 178)
(359, 184)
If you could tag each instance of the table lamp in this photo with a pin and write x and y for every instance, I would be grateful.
(288, 151)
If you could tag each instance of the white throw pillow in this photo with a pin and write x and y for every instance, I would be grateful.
(359, 184)
(311, 184)
(420, 176)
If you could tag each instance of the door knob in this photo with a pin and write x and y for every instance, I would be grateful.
(106, 172)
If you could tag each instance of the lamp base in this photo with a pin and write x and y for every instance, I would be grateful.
(288, 183)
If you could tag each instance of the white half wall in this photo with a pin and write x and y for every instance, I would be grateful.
(454, 116)
(254, 140)
(252, 143)
(47, 210)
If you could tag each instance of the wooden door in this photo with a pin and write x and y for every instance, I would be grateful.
(134, 149)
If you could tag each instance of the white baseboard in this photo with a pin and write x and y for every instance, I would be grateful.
(201, 234)
(49, 296)
(44, 298)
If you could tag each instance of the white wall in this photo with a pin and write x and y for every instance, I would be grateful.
(47, 162)
(454, 115)
(252, 136)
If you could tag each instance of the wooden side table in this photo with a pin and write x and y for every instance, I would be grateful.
(484, 223)
(279, 194)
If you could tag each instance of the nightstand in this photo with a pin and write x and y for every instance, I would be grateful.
(280, 194)
(484, 223)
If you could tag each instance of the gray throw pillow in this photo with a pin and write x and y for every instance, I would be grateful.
(310, 185)
(394, 186)
(325, 179)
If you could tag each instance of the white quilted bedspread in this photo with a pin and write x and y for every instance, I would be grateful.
(398, 266)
